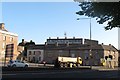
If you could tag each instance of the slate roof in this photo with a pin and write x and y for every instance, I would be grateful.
(82, 46)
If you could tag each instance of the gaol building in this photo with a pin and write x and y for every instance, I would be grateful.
(72, 47)
(8, 43)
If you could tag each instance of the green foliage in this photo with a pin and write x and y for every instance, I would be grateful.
(103, 12)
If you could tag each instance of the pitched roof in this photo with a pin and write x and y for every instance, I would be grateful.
(80, 47)
(109, 47)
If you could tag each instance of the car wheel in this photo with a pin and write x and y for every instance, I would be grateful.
(14, 65)
(26, 65)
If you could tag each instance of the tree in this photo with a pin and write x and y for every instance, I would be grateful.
(103, 12)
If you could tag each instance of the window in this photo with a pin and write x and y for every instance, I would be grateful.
(18, 61)
(86, 55)
(29, 58)
(34, 53)
(4, 38)
(106, 57)
(39, 58)
(109, 52)
(3, 46)
(30, 52)
(33, 59)
(110, 56)
(39, 52)
(97, 55)
(11, 39)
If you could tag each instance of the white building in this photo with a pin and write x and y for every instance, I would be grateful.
(35, 55)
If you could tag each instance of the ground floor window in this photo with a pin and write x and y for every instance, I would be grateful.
(29, 58)
(39, 58)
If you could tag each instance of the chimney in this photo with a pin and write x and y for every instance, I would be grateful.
(109, 44)
(2, 26)
(73, 37)
(45, 43)
(65, 37)
(57, 37)
(102, 44)
(22, 40)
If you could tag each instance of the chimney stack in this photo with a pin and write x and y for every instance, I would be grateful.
(109, 44)
(22, 40)
(2, 26)
(73, 37)
(45, 43)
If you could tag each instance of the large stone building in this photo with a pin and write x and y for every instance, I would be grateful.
(73, 47)
(6, 40)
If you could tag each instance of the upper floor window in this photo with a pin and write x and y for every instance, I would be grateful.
(30, 52)
(11, 39)
(4, 38)
(3, 46)
(34, 53)
(39, 52)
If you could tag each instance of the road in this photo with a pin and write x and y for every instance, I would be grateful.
(62, 73)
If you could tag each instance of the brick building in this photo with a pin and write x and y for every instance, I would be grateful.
(6, 39)
(73, 47)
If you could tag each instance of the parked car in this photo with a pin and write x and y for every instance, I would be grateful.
(17, 63)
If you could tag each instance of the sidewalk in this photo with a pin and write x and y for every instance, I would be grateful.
(102, 68)
(39, 65)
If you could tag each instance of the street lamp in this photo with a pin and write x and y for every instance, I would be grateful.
(90, 54)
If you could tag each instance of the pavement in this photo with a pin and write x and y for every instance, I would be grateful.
(40, 71)
(100, 68)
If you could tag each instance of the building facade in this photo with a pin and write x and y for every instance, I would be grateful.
(6, 40)
(74, 47)
(119, 58)
(22, 49)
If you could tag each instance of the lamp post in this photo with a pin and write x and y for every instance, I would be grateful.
(90, 54)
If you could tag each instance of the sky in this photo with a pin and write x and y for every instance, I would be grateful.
(38, 21)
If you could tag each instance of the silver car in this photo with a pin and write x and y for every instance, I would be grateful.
(17, 63)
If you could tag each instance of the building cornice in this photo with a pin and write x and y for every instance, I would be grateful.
(8, 33)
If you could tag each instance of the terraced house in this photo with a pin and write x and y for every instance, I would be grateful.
(88, 50)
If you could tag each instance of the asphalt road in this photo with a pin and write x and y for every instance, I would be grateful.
(61, 73)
